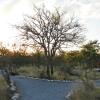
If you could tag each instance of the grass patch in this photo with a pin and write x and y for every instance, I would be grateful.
(41, 73)
(3, 89)
(86, 92)
(83, 95)
(32, 71)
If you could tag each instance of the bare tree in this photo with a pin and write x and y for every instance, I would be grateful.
(51, 32)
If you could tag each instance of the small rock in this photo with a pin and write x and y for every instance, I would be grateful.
(15, 97)
(13, 88)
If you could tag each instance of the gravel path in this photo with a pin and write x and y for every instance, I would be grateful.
(37, 89)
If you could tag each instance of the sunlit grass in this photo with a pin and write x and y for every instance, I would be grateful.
(41, 73)
(31, 71)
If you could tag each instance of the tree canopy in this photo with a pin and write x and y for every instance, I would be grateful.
(51, 31)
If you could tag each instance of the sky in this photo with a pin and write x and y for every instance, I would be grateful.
(12, 12)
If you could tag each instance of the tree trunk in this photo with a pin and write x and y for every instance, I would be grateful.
(48, 72)
(48, 67)
(52, 70)
(51, 66)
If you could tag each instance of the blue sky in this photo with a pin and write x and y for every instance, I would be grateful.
(12, 11)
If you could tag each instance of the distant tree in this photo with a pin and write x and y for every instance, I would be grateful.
(4, 51)
(89, 56)
(21, 57)
(38, 58)
(51, 32)
(5, 57)
(72, 60)
(60, 59)
(69, 60)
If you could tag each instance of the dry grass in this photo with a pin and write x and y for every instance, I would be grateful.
(58, 74)
(41, 73)
(3, 89)
(86, 92)
(31, 71)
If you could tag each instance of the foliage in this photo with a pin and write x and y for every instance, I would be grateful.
(89, 54)
(3, 50)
